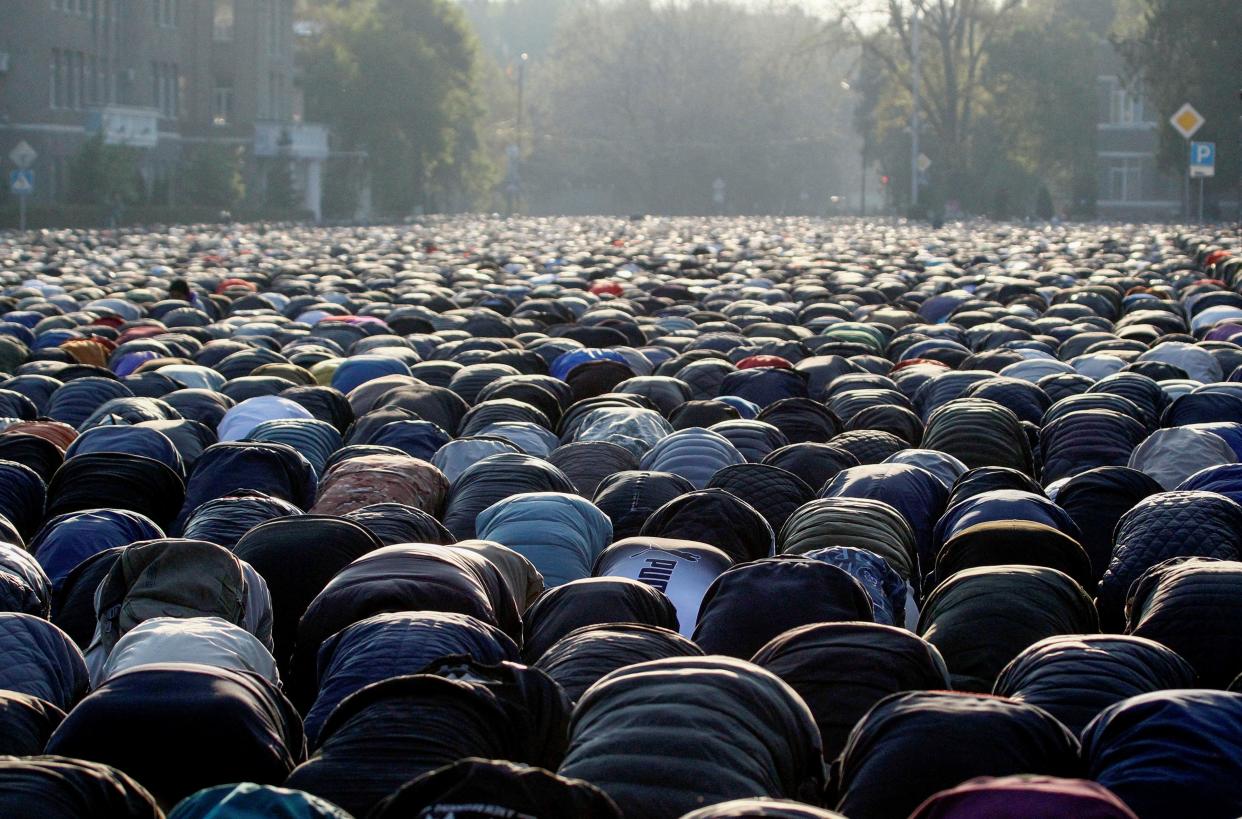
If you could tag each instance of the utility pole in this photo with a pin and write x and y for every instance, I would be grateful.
(521, 95)
(916, 89)
(862, 202)
(513, 177)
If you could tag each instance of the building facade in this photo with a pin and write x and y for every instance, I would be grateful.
(1132, 185)
(160, 76)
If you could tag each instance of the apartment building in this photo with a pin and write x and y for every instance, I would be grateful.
(158, 76)
(1132, 185)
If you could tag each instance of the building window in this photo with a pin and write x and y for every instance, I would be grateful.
(109, 80)
(267, 11)
(275, 96)
(69, 82)
(165, 12)
(165, 88)
(222, 103)
(222, 29)
(1125, 179)
(92, 80)
(77, 62)
(1125, 103)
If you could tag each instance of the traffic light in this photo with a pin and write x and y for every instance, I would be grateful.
(884, 180)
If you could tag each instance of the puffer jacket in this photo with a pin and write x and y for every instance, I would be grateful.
(862, 523)
(409, 577)
(585, 655)
(886, 770)
(914, 492)
(979, 432)
(754, 439)
(842, 669)
(629, 498)
(1193, 606)
(982, 618)
(40, 660)
(695, 453)
(493, 479)
(560, 533)
(394, 644)
(1162, 526)
(773, 492)
(593, 601)
(717, 518)
(1086, 439)
(664, 737)
(636, 429)
(765, 385)
(391, 732)
(1074, 677)
(754, 602)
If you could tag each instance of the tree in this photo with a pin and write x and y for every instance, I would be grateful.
(399, 80)
(1026, 100)
(213, 175)
(1042, 70)
(281, 192)
(1187, 51)
(953, 42)
(101, 174)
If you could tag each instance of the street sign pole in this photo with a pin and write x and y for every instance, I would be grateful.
(1187, 122)
(21, 184)
(22, 180)
(1202, 166)
(916, 79)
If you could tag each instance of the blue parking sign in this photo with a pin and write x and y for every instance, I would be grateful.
(1202, 159)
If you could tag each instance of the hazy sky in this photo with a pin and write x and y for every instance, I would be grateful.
(874, 10)
(818, 6)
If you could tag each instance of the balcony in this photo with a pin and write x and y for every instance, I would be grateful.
(125, 125)
(291, 139)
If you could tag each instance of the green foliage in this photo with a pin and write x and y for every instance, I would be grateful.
(213, 175)
(1042, 72)
(399, 80)
(281, 192)
(1009, 103)
(342, 188)
(1188, 51)
(102, 174)
(1043, 203)
(641, 106)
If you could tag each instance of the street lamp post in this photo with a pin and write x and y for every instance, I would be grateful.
(866, 148)
(513, 178)
(916, 83)
(521, 93)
